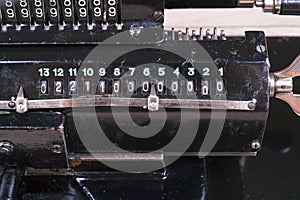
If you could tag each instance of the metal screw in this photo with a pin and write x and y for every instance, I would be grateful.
(57, 148)
(261, 48)
(158, 16)
(6, 147)
(255, 145)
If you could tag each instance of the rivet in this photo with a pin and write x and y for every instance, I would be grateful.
(11, 104)
(6, 147)
(255, 145)
(57, 149)
(251, 105)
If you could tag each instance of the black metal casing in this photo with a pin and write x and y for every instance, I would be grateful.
(244, 65)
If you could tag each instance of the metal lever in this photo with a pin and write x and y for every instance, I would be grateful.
(21, 102)
(282, 85)
(153, 100)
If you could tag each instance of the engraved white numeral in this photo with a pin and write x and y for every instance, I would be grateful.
(58, 72)
(97, 2)
(205, 88)
(82, 3)
(161, 71)
(131, 70)
(72, 72)
(52, 3)
(58, 87)
(112, 11)
(220, 86)
(39, 12)
(88, 71)
(102, 72)
(82, 12)
(130, 87)
(44, 87)
(160, 86)
(97, 12)
(174, 86)
(176, 72)
(101, 88)
(221, 71)
(68, 12)
(9, 11)
(68, 8)
(67, 3)
(72, 87)
(24, 12)
(97, 8)
(111, 2)
(38, 3)
(23, 3)
(190, 86)
(116, 87)
(206, 71)
(191, 71)
(53, 12)
(146, 71)
(8, 3)
(53, 8)
(145, 86)
(87, 87)
(83, 9)
(44, 72)
(117, 72)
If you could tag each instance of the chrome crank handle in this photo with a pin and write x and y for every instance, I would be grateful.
(282, 85)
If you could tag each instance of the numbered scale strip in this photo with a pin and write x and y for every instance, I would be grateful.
(107, 86)
(152, 103)
(33, 13)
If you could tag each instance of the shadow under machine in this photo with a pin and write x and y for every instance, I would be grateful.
(98, 101)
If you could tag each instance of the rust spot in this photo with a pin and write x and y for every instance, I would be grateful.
(75, 163)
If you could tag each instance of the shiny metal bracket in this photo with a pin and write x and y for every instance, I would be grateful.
(273, 6)
(282, 85)
(152, 103)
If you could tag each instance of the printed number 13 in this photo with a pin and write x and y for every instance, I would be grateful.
(44, 72)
